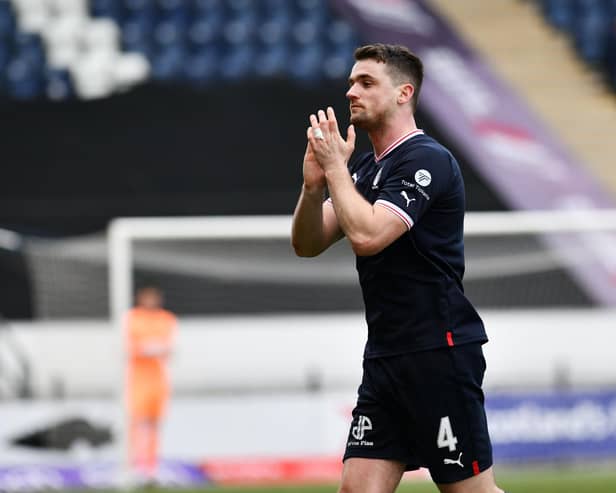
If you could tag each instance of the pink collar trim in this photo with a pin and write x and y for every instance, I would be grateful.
(396, 143)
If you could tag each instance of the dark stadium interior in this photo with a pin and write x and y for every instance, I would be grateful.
(161, 150)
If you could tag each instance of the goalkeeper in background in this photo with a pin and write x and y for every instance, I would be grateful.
(150, 332)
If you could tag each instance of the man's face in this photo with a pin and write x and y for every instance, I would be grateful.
(372, 95)
(150, 299)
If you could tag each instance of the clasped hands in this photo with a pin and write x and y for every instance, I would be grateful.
(329, 148)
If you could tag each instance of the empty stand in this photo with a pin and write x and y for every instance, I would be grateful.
(60, 48)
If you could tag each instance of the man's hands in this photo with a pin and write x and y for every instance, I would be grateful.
(327, 149)
(314, 176)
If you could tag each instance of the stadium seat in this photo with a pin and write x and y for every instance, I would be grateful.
(272, 9)
(136, 33)
(139, 7)
(106, 8)
(29, 47)
(169, 32)
(241, 9)
(307, 66)
(272, 31)
(204, 32)
(213, 8)
(93, 74)
(238, 63)
(7, 22)
(590, 25)
(76, 8)
(61, 36)
(23, 79)
(561, 13)
(129, 69)
(339, 33)
(337, 64)
(239, 31)
(589, 34)
(58, 85)
(168, 63)
(305, 33)
(177, 11)
(5, 57)
(100, 34)
(610, 53)
(202, 67)
(272, 61)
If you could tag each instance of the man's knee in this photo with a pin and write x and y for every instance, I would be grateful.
(370, 476)
(482, 483)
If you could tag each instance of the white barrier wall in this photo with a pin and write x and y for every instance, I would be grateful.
(526, 349)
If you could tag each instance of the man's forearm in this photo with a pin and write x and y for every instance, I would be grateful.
(355, 214)
(307, 234)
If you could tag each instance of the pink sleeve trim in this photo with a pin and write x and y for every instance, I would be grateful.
(397, 211)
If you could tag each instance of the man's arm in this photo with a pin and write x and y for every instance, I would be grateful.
(315, 226)
(369, 228)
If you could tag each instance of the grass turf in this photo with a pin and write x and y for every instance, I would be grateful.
(514, 480)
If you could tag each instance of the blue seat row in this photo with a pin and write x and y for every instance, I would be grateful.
(199, 42)
(590, 23)
(201, 32)
(24, 74)
(310, 65)
(221, 10)
(205, 41)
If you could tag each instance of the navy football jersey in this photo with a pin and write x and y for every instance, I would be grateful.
(412, 289)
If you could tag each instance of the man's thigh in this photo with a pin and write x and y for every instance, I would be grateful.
(361, 475)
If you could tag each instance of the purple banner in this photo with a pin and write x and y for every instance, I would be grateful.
(555, 426)
(91, 476)
(507, 144)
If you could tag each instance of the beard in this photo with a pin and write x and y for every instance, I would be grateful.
(365, 121)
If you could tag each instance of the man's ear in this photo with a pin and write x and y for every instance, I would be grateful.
(405, 93)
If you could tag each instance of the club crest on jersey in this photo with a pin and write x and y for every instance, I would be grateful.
(423, 177)
(377, 178)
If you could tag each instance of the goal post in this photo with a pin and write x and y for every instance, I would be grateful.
(123, 233)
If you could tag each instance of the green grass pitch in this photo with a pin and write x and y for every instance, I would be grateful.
(580, 479)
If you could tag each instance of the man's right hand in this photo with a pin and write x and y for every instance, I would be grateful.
(314, 176)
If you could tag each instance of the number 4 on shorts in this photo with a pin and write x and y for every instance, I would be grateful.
(445, 436)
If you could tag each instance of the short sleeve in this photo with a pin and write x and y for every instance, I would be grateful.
(415, 182)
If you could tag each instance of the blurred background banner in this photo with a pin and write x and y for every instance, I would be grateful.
(93, 476)
(294, 438)
(553, 426)
(492, 125)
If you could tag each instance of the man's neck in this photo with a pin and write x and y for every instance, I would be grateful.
(382, 138)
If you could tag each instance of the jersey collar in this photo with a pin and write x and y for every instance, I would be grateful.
(398, 142)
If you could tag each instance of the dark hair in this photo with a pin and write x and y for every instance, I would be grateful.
(402, 65)
(148, 287)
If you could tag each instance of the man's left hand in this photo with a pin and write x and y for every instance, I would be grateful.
(330, 149)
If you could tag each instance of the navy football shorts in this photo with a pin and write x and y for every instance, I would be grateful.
(424, 409)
